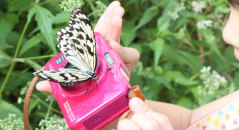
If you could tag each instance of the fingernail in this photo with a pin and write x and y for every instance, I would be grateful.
(135, 104)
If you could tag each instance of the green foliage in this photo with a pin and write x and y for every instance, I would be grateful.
(176, 41)
(8, 108)
(11, 123)
(54, 123)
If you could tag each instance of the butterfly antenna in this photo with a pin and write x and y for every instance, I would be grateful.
(104, 72)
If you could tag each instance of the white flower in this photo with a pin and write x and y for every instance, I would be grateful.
(203, 24)
(198, 6)
(175, 15)
(212, 81)
(69, 5)
(205, 69)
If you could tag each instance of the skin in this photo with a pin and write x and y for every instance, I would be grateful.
(156, 115)
(231, 30)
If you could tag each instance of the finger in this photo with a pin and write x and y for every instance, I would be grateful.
(129, 56)
(127, 125)
(103, 19)
(163, 120)
(116, 22)
(145, 122)
(137, 106)
(44, 86)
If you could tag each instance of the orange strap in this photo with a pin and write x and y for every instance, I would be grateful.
(135, 92)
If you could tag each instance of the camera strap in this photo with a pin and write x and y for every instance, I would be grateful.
(27, 102)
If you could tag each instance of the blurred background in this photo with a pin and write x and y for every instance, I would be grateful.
(184, 59)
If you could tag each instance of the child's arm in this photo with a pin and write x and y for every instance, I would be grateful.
(182, 117)
(179, 116)
(204, 110)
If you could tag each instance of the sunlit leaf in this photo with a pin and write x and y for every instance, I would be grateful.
(61, 18)
(157, 46)
(148, 15)
(31, 12)
(44, 21)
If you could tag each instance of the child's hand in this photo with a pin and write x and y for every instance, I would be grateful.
(109, 26)
(144, 118)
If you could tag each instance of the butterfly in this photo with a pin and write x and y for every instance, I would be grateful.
(78, 45)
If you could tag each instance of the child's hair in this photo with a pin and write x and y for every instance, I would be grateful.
(234, 2)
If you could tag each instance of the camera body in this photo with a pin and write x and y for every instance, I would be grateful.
(93, 104)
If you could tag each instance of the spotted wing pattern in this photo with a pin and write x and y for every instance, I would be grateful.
(77, 43)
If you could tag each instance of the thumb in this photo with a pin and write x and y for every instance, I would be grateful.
(136, 105)
(139, 107)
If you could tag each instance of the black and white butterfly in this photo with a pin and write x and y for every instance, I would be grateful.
(77, 43)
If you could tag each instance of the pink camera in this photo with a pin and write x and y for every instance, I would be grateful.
(92, 104)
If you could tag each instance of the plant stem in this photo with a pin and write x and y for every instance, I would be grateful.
(4, 53)
(45, 104)
(15, 56)
(20, 40)
(37, 57)
(6, 78)
(49, 108)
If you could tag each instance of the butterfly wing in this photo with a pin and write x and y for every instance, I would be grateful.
(77, 42)
(63, 75)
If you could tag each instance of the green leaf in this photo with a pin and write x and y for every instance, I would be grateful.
(44, 21)
(7, 23)
(18, 78)
(61, 17)
(181, 35)
(211, 41)
(4, 60)
(185, 82)
(128, 35)
(148, 15)
(172, 75)
(7, 108)
(150, 92)
(157, 46)
(165, 82)
(33, 64)
(30, 43)
(20, 5)
(33, 104)
(190, 60)
(31, 12)
(183, 101)
(163, 23)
